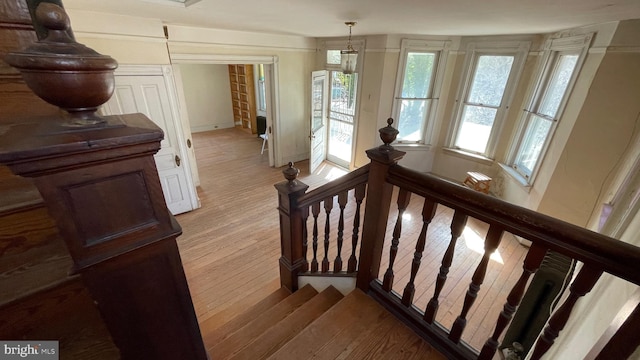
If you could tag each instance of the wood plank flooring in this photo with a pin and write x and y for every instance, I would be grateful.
(230, 247)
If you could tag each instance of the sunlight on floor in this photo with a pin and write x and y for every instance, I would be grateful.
(329, 172)
(407, 217)
(476, 243)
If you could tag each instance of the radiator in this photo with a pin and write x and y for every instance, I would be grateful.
(538, 301)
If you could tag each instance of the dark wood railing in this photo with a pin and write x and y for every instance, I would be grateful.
(304, 210)
(382, 177)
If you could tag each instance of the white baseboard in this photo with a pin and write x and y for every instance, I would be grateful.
(209, 127)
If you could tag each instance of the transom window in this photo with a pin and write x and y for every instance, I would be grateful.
(490, 78)
(562, 62)
(418, 89)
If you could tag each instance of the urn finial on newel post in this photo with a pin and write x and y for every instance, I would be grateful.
(388, 134)
(291, 173)
(63, 72)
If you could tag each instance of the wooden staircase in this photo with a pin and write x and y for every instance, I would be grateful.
(40, 298)
(308, 324)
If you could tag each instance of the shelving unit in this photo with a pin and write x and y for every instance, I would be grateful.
(243, 97)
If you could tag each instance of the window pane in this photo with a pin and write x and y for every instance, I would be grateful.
(333, 57)
(411, 119)
(490, 79)
(558, 85)
(340, 135)
(343, 94)
(475, 128)
(417, 75)
(317, 99)
(534, 139)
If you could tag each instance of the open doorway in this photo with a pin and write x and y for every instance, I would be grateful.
(217, 98)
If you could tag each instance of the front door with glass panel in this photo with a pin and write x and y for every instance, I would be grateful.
(318, 119)
(342, 109)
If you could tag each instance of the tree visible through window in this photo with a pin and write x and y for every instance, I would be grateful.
(484, 98)
(415, 95)
(546, 107)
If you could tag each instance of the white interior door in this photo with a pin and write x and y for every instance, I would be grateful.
(269, 91)
(149, 94)
(318, 133)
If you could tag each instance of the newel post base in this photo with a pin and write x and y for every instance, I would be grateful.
(378, 201)
(291, 227)
(101, 186)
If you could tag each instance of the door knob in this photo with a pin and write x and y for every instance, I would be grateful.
(177, 159)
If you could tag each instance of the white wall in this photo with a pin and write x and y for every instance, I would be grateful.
(292, 58)
(208, 96)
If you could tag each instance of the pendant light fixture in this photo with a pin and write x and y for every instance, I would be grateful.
(349, 57)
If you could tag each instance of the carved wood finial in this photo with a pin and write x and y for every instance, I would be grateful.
(388, 135)
(291, 173)
(63, 72)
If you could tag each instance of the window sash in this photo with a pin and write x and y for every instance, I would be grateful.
(413, 121)
(478, 135)
(538, 124)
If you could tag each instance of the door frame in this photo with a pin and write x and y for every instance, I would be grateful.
(272, 88)
(166, 71)
(325, 118)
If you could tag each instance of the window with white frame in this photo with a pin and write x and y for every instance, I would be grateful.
(561, 64)
(262, 90)
(418, 84)
(490, 78)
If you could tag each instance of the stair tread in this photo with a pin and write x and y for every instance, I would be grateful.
(237, 340)
(34, 256)
(357, 327)
(65, 313)
(391, 339)
(287, 328)
(213, 333)
(351, 315)
(17, 193)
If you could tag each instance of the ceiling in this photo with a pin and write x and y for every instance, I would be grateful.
(325, 18)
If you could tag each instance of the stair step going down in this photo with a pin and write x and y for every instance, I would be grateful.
(312, 325)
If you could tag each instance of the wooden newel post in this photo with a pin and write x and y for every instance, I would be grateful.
(291, 227)
(379, 193)
(98, 178)
(101, 186)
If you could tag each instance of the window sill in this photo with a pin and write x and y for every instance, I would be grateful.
(521, 180)
(411, 147)
(469, 156)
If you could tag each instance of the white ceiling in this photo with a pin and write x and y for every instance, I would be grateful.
(325, 18)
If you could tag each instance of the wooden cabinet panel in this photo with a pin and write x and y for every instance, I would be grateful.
(243, 96)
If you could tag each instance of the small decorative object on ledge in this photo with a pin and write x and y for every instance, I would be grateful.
(63, 72)
(478, 181)
(388, 135)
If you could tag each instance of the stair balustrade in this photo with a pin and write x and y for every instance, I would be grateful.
(385, 180)
(302, 212)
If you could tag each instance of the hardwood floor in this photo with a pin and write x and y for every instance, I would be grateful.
(230, 247)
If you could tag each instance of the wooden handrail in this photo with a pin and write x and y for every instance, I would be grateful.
(597, 252)
(333, 188)
(612, 256)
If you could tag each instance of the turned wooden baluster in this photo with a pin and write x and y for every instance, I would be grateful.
(492, 240)
(305, 239)
(315, 211)
(531, 264)
(342, 201)
(360, 191)
(403, 200)
(583, 283)
(328, 206)
(428, 212)
(457, 226)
